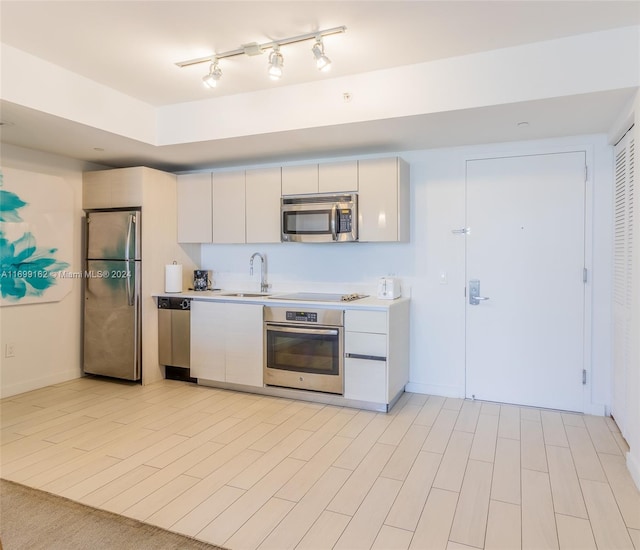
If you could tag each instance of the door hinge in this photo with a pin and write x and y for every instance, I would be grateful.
(584, 275)
(584, 376)
(586, 173)
(463, 231)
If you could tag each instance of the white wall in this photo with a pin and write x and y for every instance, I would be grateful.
(437, 311)
(563, 67)
(46, 336)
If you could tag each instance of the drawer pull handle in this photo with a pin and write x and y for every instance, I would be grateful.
(367, 357)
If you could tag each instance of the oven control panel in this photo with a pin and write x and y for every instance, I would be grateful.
(302, 316)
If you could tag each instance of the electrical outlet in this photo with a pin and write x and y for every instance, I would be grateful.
(10, 350)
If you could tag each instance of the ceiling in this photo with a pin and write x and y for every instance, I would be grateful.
(132, 47)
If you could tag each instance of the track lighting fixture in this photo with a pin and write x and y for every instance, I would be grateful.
(215, 72)
(322, 61)
(276, 60)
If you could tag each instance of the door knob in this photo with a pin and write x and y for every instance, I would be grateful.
(474, 293)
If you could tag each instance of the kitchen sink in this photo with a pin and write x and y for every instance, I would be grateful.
(247, 295)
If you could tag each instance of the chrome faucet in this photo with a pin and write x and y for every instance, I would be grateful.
(264, 286)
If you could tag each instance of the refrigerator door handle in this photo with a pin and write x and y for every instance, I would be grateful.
(130, 294)
(127, 247)
(127, 259)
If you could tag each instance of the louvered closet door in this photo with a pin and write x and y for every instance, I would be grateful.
(622, 274)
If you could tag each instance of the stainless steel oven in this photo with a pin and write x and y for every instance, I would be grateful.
(304, 348)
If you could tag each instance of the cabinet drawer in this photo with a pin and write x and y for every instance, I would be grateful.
(365, 380)
(365, 321)
(365, 344)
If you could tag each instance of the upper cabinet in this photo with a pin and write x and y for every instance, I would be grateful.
(333, 177)
(244, 206)
(263, 191)
(195, 208)
(383, 200)
(229, 207)
(338, 177)
(300, 180)
(118, 188)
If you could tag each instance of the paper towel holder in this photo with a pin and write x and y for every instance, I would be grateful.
(173, 278)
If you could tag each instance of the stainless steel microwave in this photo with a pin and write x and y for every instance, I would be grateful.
(320, 218)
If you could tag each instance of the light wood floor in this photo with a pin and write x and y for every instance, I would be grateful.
(247, 471)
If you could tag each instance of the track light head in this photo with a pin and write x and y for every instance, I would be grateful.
(276, 61)
(215, 72)
(322, 61)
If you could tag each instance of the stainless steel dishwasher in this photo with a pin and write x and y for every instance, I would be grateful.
(174, 334)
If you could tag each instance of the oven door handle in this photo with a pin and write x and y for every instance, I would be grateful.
(303, 330)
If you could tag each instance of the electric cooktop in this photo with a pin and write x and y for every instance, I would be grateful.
(319, 297)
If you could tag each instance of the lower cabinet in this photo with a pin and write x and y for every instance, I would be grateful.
(376, 346)
(226, 342)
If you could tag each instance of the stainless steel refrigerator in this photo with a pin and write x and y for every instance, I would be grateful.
(112, 332)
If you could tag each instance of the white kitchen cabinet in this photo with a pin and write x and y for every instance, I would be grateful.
(226, 342)
(263, 192)
(243, 343)
(229, 207)
(194, 202)
(383, 200)
(376, 353)
(118, 188)
(365, 380)
(328, 177)
(338, 177)
(208, 341)
(300, 180)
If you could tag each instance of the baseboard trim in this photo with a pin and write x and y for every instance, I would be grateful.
(37, 383)
(434, 389)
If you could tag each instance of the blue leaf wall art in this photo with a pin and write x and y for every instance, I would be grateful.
(37, 207)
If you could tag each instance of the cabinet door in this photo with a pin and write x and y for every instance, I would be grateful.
(126, 187)
(365, 380)
(208, 340)
(263, 188)
(300, 180)
(378, 199)
(244, 341)
(194, 208)
(338, 177)
(96, 192)
(228, 207)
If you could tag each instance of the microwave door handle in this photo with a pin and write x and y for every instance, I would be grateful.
(333, 223)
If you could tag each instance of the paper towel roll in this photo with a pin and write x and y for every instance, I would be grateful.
(173, 278)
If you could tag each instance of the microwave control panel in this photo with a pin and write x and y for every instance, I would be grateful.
(302, 316)
(344, 221)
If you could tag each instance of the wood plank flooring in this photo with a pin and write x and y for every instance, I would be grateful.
(253, 472)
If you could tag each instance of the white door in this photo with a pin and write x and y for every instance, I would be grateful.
(525, 246)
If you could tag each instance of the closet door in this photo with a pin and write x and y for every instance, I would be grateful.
(623, 243)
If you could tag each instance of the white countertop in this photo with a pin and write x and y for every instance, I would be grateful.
(371, 302)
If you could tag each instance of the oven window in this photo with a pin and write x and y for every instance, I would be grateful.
(308, 352)
(316, 222)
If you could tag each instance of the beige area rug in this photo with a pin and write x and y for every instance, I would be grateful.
(36, 520)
